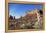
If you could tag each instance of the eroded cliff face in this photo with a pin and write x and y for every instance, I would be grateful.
(32, 20)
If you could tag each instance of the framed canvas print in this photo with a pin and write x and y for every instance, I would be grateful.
(24, 16)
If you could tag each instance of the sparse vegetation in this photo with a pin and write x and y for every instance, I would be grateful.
(26, 22)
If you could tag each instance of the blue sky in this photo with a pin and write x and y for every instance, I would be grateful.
(19, 10)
